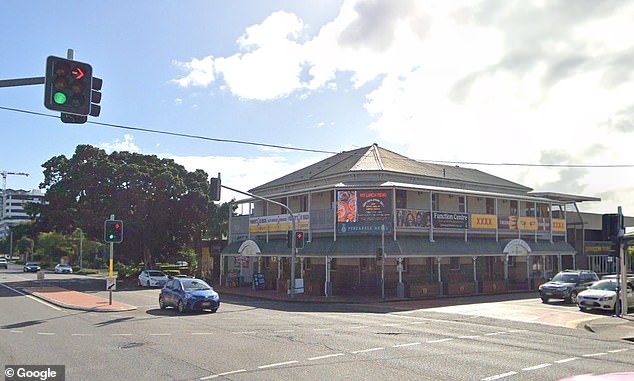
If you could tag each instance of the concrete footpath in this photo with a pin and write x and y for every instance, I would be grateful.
(76, 300)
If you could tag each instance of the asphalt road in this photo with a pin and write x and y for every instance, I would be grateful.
(264, 340)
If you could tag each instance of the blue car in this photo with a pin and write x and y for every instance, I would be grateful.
(189, 294)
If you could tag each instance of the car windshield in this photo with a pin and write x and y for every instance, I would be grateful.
(155, 273)
(607, 285)
(194, 285)
(566, 278)
(30, 264)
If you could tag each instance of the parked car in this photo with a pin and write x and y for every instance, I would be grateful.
(567, 285)
(4, 263)
(63, 269)
(182, 263)
(602, 295)
(31, 267)
(152, 278)
(189, 294)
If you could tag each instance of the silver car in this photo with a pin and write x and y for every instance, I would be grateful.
(152, 278)
(602, 295)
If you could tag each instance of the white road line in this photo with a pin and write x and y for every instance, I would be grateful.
(202, 333)
(390, 325)
(569, 359)
(439, 341)
(405, 345)
(81, 334)
(124, 334)
(367, 350)
(494, 333)
(619, 350)
(284, 331)
(46, 333)
(469, 337)
(160, 334)
(222, 374)
(277, 364)
(244, 333)
(32, 297)
(322, 329)
(359, 327)
(498, 376)
(325, 356)
(595, 354)
(540, 366)
(16, 331)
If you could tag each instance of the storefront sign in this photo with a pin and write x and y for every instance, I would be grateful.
(280, 223)
(484, 221)
(450, 220)
(559, 225)
(364, 211)
(413, 218)
(598, 247)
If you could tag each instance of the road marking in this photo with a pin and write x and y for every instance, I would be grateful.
(244, 333)
(359, 327)
(405, 345)
(16, 331)
(222, 374)
(284, 331)
(81, 334)
(322, 329)
(32, 297)
(439, 341)
(368, 350)
(595, 354)
(390, 325)
(325, 356)
(498, 376)
(159, 334)
(202, 333)
(46, 333)
(540, 366)
(126, 334)
(619, 350)
(494, 333)
(567, 360)
(277, 364)
(469, 337)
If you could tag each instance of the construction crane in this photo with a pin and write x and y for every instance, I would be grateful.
(4, 187)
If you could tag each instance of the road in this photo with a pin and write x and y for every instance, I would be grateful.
(251, 339)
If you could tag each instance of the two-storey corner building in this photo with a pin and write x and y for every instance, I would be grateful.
(441, 229)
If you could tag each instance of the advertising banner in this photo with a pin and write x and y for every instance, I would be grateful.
(528, 223)
(484, 221)
(280, 223)
(559, 225)
(413, 218)
(364, 211)
(450, 220)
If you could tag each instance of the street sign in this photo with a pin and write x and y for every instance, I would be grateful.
(111, 284)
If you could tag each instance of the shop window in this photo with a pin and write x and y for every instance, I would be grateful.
(511, 261)
(307, 264)
(514, 209)
(365, 264)
(303, 203)
(333, 264)
(267, 262)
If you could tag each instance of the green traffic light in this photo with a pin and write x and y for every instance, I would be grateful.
(60, 98)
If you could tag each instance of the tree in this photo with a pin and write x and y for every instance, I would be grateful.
(162, 205)
(25, 248)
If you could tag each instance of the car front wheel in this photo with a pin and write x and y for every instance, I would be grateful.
(162, 303)
(572, 298)
(544, 300)
(181, 306)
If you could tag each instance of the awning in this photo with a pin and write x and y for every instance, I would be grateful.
(366, 247)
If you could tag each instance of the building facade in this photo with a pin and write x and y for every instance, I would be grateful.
(12, 212)
(379, 223)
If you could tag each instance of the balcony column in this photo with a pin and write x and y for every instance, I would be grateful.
(439, 277)
(475, 275)
(328, 285)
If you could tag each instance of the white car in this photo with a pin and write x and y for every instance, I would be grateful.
(602, 295)
(152, 278)
(63, 269)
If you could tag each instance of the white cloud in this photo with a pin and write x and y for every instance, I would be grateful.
(464, 81)
(126, 145)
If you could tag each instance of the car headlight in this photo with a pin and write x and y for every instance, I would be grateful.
(606, 298)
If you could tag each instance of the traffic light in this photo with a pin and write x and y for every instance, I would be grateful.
(611, 227)
(214, 188)
(113, 231)
(299, 240)
(67, 86)
(95, 96)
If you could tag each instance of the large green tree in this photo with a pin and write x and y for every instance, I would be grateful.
(164, 207)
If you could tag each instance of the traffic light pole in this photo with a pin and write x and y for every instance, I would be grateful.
(622, 296)
(293, 244)
(111, 267)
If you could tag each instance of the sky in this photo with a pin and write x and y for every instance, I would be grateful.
(545, 84)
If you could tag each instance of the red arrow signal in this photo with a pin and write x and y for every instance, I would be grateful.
(79, 74)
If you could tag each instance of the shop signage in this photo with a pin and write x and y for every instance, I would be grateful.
(484, 221)
(280, 223)
(450, 220)
(364, 211)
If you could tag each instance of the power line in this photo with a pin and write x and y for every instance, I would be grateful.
(311, 150)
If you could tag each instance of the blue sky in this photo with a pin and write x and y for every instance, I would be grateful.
(492, 82)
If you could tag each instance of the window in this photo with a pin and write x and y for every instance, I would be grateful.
(401, 199)
(303, 203)
(307, 264)
(511, 261)
(267, 262)
(434, 201)
(490, 206)
(462, 204)
(333, 264)
(454, 263)
(514, 208)
(364, 263)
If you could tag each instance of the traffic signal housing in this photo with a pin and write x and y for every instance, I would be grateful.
(113, 231)
(67, 86)
(299, 239)
(214, 188)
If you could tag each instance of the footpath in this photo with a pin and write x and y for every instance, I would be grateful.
(605, 326)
